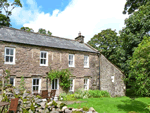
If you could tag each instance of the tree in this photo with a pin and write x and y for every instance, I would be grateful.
(132, 5)
(108, 43)
(137, 26)
(43, 31)
(27, 29)
(4, 6)
(139, 69)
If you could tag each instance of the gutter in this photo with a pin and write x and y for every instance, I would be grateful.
(99, 68)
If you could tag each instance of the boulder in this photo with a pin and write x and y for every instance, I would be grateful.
(65, 107)
(68, 111)
(16, 91)
(92, 109)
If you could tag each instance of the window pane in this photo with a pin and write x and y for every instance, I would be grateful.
(11, 51)
(55, 83)
(7, 51)
(70, 57)
(34, 88)
(44, 61)
(71, 63)
(41, 54)
(11, 59)
(34, 81)
(37, 88)
(7, 58)
(12, 81)
(37, 81)
(44, 55)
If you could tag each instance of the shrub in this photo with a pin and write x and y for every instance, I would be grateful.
(54, 104)
(85, 108)
(90, 94)
(76, 112)
(62, 105)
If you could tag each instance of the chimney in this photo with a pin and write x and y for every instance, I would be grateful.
(80, 38)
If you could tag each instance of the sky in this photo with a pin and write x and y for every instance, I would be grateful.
(66, 18)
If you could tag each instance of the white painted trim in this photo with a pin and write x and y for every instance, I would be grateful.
(87, 61)
(72, 85)
(73, 61)
(14, 56)
(54, 84)
(113, 78)
(44, 58)
(39, 84)
(87, 83)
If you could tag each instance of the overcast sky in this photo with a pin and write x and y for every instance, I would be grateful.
(65, 18)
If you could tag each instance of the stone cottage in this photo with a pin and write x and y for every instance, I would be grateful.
(31, 55)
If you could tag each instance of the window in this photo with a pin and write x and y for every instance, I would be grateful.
(55, 84)
(71, 60)
(36, 85)
(86, 61)
(9, 55)
(44, 58)
(71, 85)
(112, 77)
(86, 84)
(12, 81)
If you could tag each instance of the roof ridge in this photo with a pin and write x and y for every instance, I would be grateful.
(39, 33)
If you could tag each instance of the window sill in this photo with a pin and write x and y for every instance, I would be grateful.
(87, 67)
(9, 63)
(43, 65)
(71, 66)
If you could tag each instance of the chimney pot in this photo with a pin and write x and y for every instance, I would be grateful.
(80, 38)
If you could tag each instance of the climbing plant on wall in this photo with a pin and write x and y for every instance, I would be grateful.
(63, 75)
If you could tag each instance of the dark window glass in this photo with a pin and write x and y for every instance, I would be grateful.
(7, 51)
(44, 61)
(34, 82)
(41, 61)
(55, 83)
(41, 54)
(37, 82)
(11, 51)
(7, 58)
(12, 81)
(11, 59)
(44, 55)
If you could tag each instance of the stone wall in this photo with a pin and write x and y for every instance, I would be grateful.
(27, 64)
(107, 69)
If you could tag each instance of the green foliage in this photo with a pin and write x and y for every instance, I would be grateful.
(85, 108)
(7, 7)
(7, 77)
(76, 112)
(27, 29)
(132, 5)
(43, 31)
(38, 96)
(139, 76)
(63, 75)
(22, 84)
(98, 93)
(108, 43)
(148, 108)
(62, 105)
(54, 104)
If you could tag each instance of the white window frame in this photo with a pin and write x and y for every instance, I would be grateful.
(112, 78)
(54, 85)
(87, 66)
(37, 85)
(86, 84)
(72, 85)
(44, 58)
(73, 64)
(10, 55)
(13, 81)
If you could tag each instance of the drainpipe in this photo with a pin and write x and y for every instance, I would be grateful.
(99, 69)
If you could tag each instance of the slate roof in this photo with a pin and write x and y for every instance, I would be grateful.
(23, 37)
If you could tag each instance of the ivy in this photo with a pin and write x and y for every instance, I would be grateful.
(63, 75)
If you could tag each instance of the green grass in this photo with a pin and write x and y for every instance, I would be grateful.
(115, 105)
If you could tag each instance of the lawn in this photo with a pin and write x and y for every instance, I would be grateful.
(115, 105)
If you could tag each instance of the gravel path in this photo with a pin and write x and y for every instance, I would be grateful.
(72, 102)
